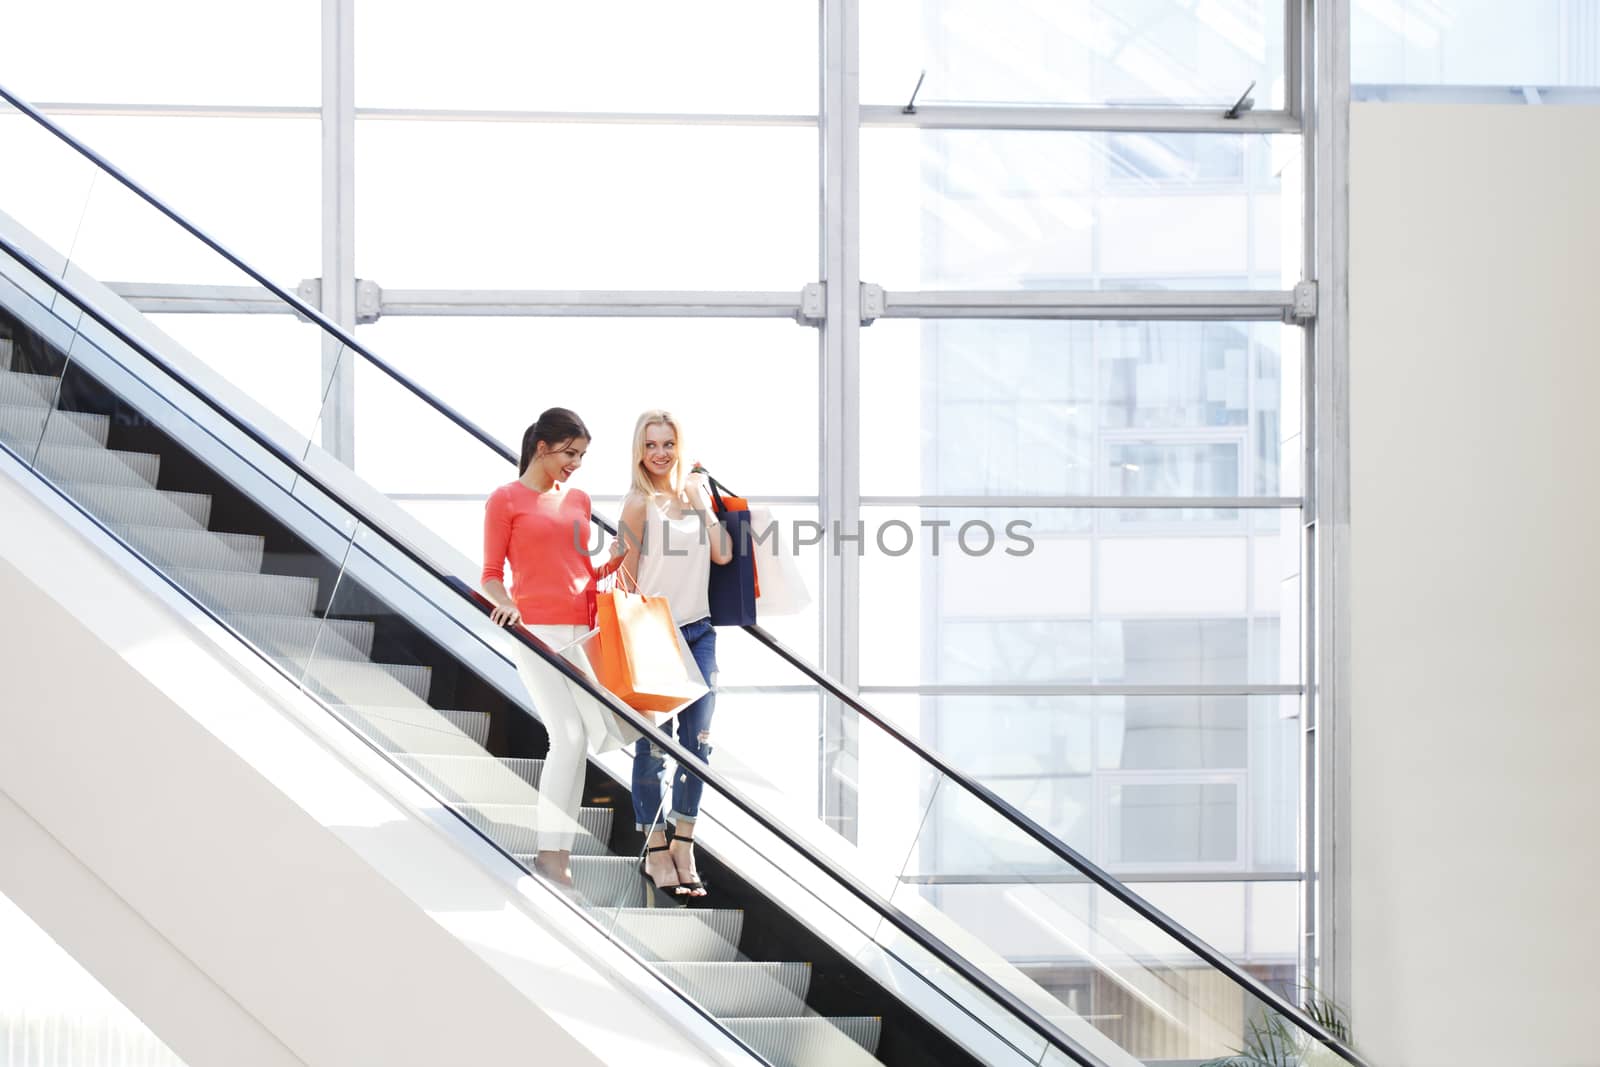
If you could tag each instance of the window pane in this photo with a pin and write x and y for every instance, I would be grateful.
(1187, 823)
(1010, 407)
(1048, 210)
(1073, 51)
(1058, 596)
(175, 52)
(745, 390)
(253, 184)
(1060, 760)
(722, 56)
(1415, 42)
(507, 205)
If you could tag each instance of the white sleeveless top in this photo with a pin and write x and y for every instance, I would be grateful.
(682, 575)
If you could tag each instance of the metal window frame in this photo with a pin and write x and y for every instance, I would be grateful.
(1317, 92)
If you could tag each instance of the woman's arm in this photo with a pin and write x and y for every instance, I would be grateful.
(698, 490)
(496, 538)
(631, 532)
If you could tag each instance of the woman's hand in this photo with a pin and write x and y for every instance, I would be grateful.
(505, 615)
(698, 488)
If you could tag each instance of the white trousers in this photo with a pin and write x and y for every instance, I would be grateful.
(561, 782)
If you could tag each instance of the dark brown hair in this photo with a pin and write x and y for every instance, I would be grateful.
(554, 427)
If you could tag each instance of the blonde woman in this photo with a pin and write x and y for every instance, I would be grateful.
(672, 537)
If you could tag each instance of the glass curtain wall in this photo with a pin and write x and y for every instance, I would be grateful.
(1131, 676)
(621, 207)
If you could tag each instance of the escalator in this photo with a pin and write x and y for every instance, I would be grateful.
(822, 944)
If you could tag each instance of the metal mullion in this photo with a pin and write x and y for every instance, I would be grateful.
(591, 302)
(338, 225)
(168, 298)
(568, 118)
(1126, 877)
(438, 303)
(194, 111)
(1294, 67)
(1089, 689)
(1198, 305)
(1086, 119)
(1329, 176)
(1090, 503)
(839, 130)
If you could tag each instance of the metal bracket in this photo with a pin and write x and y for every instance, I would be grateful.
(871, 303)
(369, 301)
(1304, 310)
(310, 291)
(813, 304)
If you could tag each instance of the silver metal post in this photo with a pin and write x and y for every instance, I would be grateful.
(841, 384)
(1328, 147)
(338, 223)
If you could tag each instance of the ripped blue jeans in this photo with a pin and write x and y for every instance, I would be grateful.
(694, 734)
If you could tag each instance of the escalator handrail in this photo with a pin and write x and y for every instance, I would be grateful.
(923, 937)
(987, 796)
(300, 306)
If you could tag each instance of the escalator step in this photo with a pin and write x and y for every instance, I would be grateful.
(28, 390)
(514, 827)
(195, 549)
(250, 594)
(419, 730)
(835, 1041)
(369, 683)
(528, 770)
(295, 636)
(21, 425)
(604, 881)
(701, 935)
(479, 779)
(146, 507)
(68, 463)
(744, 988)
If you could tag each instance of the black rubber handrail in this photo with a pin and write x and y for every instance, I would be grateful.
(300, 306)
(924, 938)
(1057, 847)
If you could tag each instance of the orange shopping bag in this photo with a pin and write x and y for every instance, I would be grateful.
(641, 656)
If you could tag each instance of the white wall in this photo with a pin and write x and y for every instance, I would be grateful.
(1475, 728)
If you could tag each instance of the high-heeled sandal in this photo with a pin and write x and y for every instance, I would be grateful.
(673, 889)
(697, 887)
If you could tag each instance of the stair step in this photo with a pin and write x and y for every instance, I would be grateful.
(101, 466)
(20, 426)
(27, 390)
(296, 637)
(419, 730)
(699, 935)
(479, 779)
(605, 881)
(145, 507)
(514, 827)
(195, 549)
(743, 988)
(817, 1041)
(235, 592)
(350, 682)
(528, 770)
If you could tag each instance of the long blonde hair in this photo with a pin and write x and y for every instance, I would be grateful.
(642, 483)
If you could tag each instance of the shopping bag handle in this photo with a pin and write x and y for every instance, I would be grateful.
(717, 488)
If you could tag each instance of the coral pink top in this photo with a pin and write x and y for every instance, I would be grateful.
(545, 536)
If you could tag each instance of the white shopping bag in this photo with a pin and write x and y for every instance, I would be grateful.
(778, 574)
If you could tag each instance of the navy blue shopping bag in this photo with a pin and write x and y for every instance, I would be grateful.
(732, 588)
